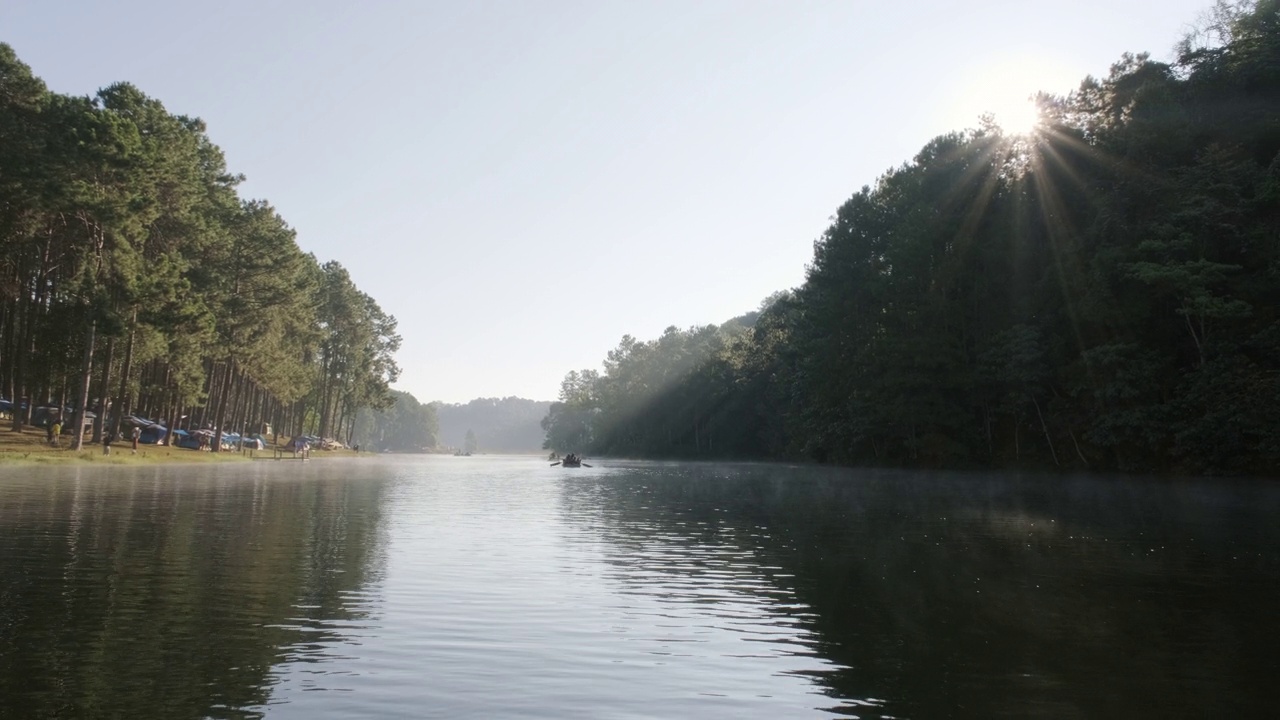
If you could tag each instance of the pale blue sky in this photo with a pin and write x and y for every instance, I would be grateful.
(521, 183)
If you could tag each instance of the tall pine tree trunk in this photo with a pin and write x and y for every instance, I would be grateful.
(126, 401)
(104, 402)
(221, 411)
(86, 369)
(25, 349)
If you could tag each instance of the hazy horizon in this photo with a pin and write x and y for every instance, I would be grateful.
(522, 185)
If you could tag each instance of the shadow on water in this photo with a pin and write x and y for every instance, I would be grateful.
(168, 593)
(966, 595)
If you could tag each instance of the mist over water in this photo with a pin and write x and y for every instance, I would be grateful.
(501, 587)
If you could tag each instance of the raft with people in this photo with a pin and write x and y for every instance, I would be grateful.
(572, 460)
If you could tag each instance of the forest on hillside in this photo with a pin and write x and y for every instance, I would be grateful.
(134, 279)
(1102, 293)
(509, 424)
(406, 425)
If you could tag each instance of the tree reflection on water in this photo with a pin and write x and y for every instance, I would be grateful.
(140, 594)
(976, 595)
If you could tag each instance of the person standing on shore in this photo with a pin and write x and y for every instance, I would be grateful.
(106, 442)
(54, 431)
(137, 433)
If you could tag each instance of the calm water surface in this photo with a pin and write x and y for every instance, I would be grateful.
(500, 587)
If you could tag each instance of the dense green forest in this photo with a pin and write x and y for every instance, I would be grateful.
(133, 277)
(509, 424)
(1102, 293)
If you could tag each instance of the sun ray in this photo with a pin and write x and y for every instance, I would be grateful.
(1059, 231)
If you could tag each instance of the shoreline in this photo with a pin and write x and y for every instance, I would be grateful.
(29, 447)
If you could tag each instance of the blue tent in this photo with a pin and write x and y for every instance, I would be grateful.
(184, 439)
(153, 434)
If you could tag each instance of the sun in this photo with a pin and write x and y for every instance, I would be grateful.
(1004, 86)
(1017, 117)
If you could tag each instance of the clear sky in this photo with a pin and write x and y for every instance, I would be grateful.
(521, 183)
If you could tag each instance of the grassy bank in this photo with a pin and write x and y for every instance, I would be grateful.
(29, 446)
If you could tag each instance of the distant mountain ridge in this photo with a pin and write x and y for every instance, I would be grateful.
(509, 424)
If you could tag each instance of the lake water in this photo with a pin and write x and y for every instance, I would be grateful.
(483, 587)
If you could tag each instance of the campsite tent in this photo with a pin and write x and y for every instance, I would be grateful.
(153, 434)
(184, 439)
